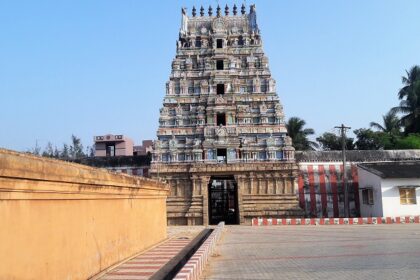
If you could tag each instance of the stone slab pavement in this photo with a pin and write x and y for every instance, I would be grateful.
(317, 252)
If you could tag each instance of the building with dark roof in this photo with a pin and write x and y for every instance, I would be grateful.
(357, 156)
(320, 181)
(390, 189)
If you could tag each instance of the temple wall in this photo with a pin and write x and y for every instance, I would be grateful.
(266, 190)
(318, 185)
(63, 220)
(321, 189)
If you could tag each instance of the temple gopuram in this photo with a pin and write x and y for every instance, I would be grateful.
(222, 144)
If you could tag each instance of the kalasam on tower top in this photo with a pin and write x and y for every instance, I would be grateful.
(222, 143)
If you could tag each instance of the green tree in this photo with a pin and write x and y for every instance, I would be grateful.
(330, 142)
(36, 150)
(299, 134)
(90, 151)
(367, 139)
(412, 141)
(65, 152)
(56, 152)
(73, 151)
(48, 151)
(391, 123)
(410, 101)
(76, 148)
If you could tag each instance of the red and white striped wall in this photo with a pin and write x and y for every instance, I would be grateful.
(193, 269)
(336, 221)
(321, 190)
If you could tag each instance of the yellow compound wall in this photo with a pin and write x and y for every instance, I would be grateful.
(60, 220)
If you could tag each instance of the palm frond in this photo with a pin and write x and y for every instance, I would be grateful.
(403, 92)
(299, 134)
(377, 126)
(308, 131)
(400, 109)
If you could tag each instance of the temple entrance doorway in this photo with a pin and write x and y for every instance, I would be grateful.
(223, 200)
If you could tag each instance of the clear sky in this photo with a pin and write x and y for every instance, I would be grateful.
(95, 67)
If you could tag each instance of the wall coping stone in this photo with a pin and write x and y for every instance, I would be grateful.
(26, 166)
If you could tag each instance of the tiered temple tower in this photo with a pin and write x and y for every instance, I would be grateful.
(222, 142)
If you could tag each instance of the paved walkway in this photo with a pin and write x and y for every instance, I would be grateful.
(317, 252)
(145, 265)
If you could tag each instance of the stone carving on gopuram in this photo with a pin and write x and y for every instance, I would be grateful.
(222, 144)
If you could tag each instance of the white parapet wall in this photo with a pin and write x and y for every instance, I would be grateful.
(193, 269)
(336, 221)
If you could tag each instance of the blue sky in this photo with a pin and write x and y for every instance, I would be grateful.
(95, 67)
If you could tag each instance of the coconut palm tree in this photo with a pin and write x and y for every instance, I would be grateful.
(299, 134)
(410, 101)
(391, 123)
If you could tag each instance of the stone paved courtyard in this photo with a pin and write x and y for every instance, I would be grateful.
(317, 252)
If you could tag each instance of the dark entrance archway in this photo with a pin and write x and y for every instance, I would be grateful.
(223, 200)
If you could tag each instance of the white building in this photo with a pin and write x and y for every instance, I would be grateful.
(389, 189)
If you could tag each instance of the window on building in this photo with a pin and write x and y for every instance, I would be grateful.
(177, 88)
(220, 89)
(219, 65)
(219, 43)
(194, 63)
(264, 86)
(250, 86)
(110, 150)
(244, 63)
(262, 155)
(367, 196)
(183, 42)
(258, 63)
(198, 42)
(197, 89)
(407, 195)
(241, 41)
(221, 119)
(221, 155)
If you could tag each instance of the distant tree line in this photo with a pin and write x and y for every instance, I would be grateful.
(400, 128)
(71, 151)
